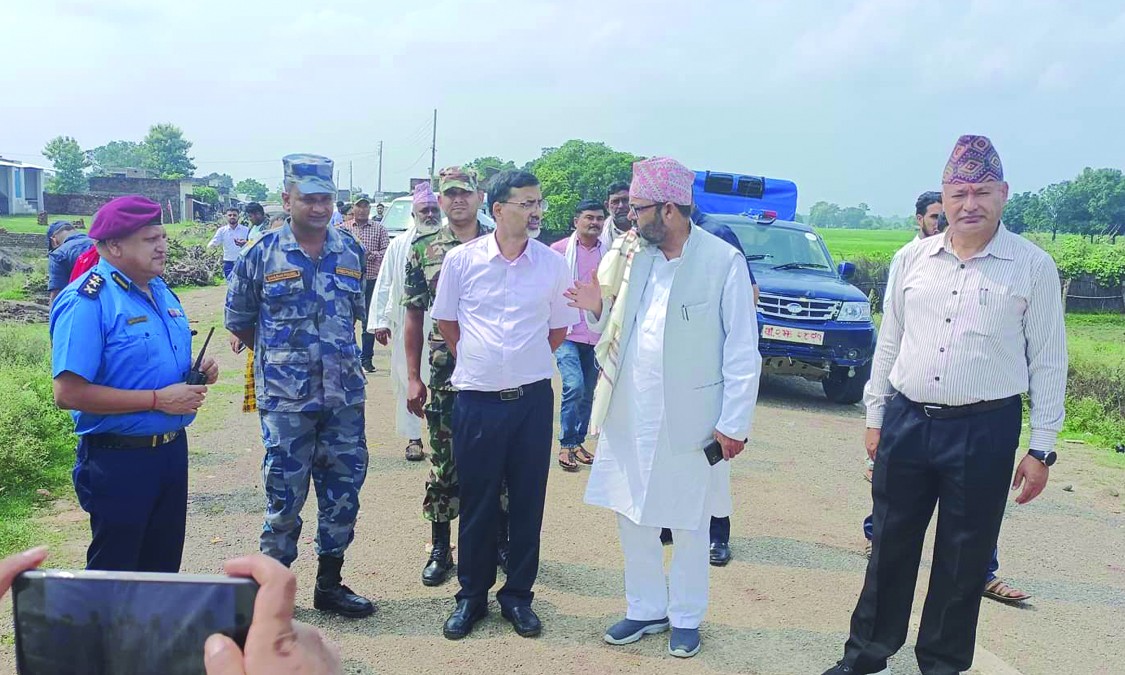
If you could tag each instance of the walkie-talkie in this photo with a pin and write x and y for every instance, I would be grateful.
(196, 374)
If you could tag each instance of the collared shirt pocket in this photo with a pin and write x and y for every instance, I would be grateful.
(285, 373)
(347, 297)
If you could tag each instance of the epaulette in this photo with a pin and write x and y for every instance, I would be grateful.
(92, 286)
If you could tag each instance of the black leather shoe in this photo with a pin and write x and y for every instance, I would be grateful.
(840, 669)
(330, 595)
(665, 536)
(460, 622)
(441, 557)
(368, 366)
(526, 623)
(720, 553)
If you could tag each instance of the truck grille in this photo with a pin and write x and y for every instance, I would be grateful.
(797, 309)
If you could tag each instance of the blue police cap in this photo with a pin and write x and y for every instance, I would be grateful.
(55, 228)
(312, 174)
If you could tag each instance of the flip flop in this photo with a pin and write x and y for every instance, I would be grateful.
(1002, 592)
(569, 465)
(583, 456)
(414, 451)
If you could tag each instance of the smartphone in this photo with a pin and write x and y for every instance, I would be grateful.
(86, 622)
(714, 452)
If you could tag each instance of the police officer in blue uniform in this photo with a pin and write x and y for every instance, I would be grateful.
(296, 295)
(121, 352)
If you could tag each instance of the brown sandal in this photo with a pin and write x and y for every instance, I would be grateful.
(414, 451)
(567, 464)
(1002, 592)
(583, 456)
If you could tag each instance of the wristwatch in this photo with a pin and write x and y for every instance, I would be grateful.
(1048, 458)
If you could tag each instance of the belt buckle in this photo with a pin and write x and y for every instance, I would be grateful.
(927, 408)
(511, 394)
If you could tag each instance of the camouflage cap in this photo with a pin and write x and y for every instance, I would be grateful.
(312, 174)
(457, 177)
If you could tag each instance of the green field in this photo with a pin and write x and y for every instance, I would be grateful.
(850, 244)
(30, 224)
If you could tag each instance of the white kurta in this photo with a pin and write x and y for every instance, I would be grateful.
(685, 492)
(387, 311)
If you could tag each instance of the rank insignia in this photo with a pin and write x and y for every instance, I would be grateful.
(120, 280)
(174, 313)
(93, 285)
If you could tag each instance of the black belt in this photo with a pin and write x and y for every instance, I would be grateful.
(513, 394)
(119, 442)
(948, 412)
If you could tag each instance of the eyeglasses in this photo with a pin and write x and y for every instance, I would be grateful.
(636, 210)
(530, 204)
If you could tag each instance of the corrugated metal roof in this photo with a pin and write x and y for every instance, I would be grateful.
(20, 165)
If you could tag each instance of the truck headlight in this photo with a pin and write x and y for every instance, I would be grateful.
(855, 311)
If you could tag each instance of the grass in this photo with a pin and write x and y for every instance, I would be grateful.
(30, 224)
(851, 244)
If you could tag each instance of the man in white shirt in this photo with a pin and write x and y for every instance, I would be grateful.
(232, 237)
(388, 315)
(976, 313)
(679, 353)
(501, 308)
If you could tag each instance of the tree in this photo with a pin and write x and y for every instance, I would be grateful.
(487, 167)
(70, 163)
(254, 189)
(1022, 212)
(1102, 191)
(575, 171)
(116, 156)
(166, 152)
(206, 194)
(220, 180)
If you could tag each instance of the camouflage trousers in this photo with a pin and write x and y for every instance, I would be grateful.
(328, 446)
(442, 502)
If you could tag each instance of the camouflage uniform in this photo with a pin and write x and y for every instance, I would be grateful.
(441, 503)
(308, 382)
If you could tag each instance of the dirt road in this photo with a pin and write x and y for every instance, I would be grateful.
(781, 607)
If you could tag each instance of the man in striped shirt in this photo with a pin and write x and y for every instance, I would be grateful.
(375, 241)
(976, 315)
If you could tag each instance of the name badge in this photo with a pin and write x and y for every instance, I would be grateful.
(134, 320)
(282, 276)
(348, 272)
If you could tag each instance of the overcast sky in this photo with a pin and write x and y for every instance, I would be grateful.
(854, 101)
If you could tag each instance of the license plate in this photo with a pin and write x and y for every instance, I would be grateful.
(800, 335)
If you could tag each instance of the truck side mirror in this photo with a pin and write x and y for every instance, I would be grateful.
(846, 270)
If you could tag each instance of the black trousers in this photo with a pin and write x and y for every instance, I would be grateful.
(493, 441)
(964, 466)
(368, 339)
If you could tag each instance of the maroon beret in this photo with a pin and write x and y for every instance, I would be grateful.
(123, 216)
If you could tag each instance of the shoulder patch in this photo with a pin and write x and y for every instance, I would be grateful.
(349, 272)
(120, 280)
(92, 286)
(283, 275)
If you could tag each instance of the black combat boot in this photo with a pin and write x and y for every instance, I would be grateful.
(502, 542)
(332, 596)
(441, 557)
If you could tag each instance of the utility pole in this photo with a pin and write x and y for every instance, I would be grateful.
(351, 179)
(433, 147)
(379, 182)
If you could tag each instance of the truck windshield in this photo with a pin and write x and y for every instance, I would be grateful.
(780, 247)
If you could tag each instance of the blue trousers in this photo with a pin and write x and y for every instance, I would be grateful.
(579, 372)
(228, 268)
(330, 448)
(137, 501)
(496, 440)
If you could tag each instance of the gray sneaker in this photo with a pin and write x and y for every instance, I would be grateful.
(628, 631)
(684, 642)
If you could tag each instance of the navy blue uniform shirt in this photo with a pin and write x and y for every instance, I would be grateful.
(61, 260)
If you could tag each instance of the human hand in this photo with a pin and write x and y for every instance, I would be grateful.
(871, 441)
(275, 643)
(11, 566)
(416, 397)
(382, 336)
(1033, 475)
(236, 345)
(210, 369)
(731, 447)
(181, 398)
(586, 295)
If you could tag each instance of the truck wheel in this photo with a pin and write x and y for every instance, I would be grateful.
(839, 388)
